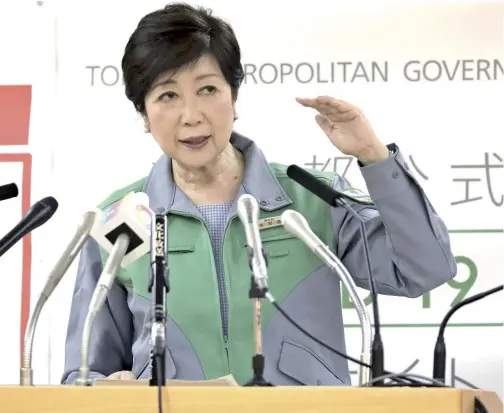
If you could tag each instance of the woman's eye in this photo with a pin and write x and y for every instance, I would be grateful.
(167, 96)
(208, 90)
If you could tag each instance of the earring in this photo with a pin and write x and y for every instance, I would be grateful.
(146, 128)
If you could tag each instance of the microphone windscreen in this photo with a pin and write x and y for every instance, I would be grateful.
(130, 216)
(312, 184)
(8, 191)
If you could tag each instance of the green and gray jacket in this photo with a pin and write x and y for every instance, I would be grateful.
(409, 247)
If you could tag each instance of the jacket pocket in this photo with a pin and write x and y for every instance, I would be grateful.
(181, 248)
(275, 245)
(142, 370)
(302, 364)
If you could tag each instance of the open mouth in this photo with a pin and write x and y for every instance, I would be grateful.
(195, 142)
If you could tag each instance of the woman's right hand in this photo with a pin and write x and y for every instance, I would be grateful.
(122, 375)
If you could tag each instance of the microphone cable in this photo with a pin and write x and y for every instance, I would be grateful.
(403, 379)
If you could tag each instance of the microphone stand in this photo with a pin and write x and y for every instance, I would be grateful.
(377, 351)
(366, 346)
(98, 299)
(57, 273)
(257, 293)
(159, 287)
(297, 225)
(337, 198)
(439, 367)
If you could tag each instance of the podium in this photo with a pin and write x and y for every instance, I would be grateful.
(144, 399)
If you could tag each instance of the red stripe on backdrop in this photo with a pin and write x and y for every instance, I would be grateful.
(15, 107)
(26, 159)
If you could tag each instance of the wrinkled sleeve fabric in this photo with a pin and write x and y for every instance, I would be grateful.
(409, 244)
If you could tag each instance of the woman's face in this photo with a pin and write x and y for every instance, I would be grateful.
(190, 113)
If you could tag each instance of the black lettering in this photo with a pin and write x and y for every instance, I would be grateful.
(286, 69)
(483, 66)
(371, 75)
(310, 73)
(252, 67)
(464, 70)
(275, 73)
(360, 71)
(115, 75)
(497, 67)
(451, 76)
(376, 68)
(332, 72)
(345, 65)
(427, 74)
(92, 73)
(319, 75)
(455, 378)
(467, 69)
(414, 74)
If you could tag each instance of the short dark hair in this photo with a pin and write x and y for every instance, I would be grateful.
(173, 37)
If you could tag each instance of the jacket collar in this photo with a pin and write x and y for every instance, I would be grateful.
(259, 181)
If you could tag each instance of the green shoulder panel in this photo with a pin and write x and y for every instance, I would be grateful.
(121, 193)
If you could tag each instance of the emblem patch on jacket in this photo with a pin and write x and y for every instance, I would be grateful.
(271, 222)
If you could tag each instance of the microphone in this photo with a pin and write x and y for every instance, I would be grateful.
(125, 233)
(248, 212)
(439, 367)
(159, 286)
(131, 216)
(324, 191)
(8, 191)
(297, 225)
(88, 220)
(337, 198)
(37, 215)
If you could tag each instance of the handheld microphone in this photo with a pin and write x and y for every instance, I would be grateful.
(88, 220)
(37, 215)
(248, 212)
(337, 198)
(8, 191)
(159, 286)
(297, 225)
(439, 367)
(125, 233)
(130, 216)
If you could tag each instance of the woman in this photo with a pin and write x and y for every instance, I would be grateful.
(182, 72)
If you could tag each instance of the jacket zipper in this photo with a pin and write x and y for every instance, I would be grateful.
(221, 283)
(224, 291)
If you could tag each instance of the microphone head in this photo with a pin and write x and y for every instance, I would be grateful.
(130, 216)
(8, 191)
(247, 209)
(325, 192)
(312, 184)
(296, 225)
(39, 213)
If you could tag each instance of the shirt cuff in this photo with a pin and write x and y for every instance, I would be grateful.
(386, 177)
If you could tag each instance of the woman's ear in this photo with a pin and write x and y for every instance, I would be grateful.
(146, 124)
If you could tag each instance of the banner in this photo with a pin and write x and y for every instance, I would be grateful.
(27, 76)
(429, 77)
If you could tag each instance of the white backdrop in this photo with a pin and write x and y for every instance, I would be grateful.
(428, 75)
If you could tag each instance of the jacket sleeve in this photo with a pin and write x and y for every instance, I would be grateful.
(409, 245)
(111, 337)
